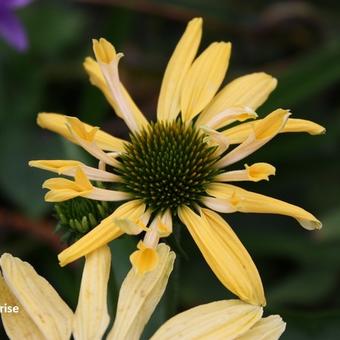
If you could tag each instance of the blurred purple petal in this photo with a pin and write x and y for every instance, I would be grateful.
(14, 3)
(12, 30)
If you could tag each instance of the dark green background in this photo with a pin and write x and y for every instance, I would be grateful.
(297, 42)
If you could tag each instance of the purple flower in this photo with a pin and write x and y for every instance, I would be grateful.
(11, 28)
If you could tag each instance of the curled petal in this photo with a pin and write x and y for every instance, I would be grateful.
(262, 133)
(144, 259)
(225, 319)
(139, 296)
(86, 140)
(68, 168)
(57, 123)
(225, 254)
(215, 139)
(227, 117)
(169, 98)
(108, 61)
(255, 172)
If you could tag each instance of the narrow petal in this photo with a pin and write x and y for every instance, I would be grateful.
(97, 79)
(226, 117)
(225, 254)
(18, 325)
(57, 123)
(255, 172)
(99, 194)
(169, 98)
(240, 133)
(203, 79)
(38, 298)
(249, 91)
(139, 296)
(269, 328)
(247, 201)
(164, 223)
(261, 134)
(102, 234)
(91, 317)
(108, 60)
(69, 167)
(225, 319)
(301, 125)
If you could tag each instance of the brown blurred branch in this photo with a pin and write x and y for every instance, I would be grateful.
(166, 10)
(41, 230)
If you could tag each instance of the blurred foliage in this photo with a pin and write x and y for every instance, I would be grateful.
(297, 41)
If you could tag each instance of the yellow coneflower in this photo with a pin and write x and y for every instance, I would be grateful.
(177, 166)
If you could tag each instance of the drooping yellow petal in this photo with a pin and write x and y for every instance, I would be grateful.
(102, 234)
(57, 123)
(38, 298)
(302, 125)
(225, 319)
(69, 167)
(240, 133)
(108, 60)
(225, 254)
(169, 98)
(250, 91)
(144, 259)
(255, 172)
(91, 317)
(261, 134)
(139, 296)
(203, 79)
(269, 328)
(247, 201)
(18, 324)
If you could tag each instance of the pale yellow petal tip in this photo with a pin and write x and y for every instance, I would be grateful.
(103, 50)
(196, 22)
(41, 119)
(144, 259)
(310, 224)
(318, 130)
(260, 171)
